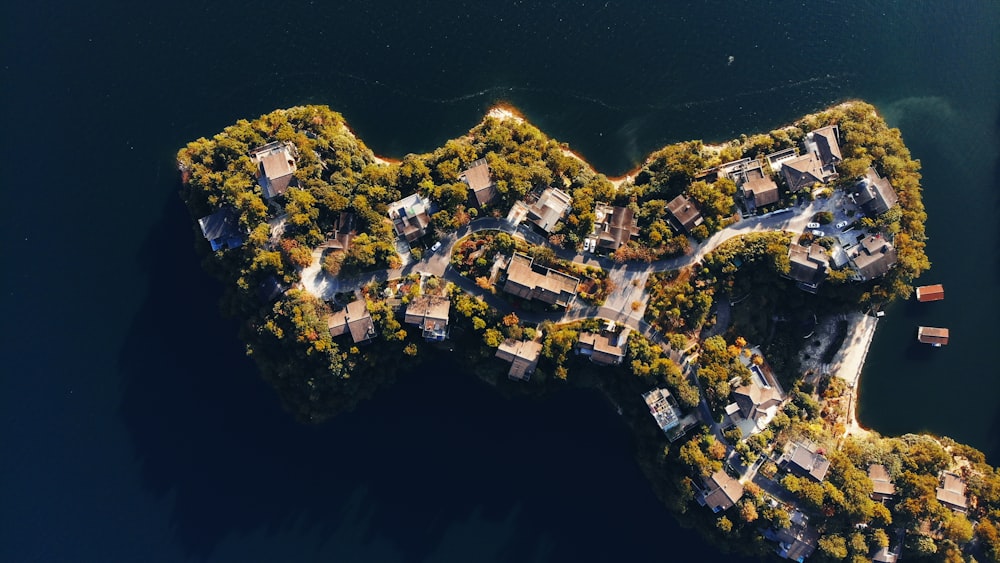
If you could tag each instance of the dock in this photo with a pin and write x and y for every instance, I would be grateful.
(927, 293)
(934, 336)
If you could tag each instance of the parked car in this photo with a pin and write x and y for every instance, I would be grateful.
(817, 233)
(588, 245)
(812, 225)
(842, 224)
(436, 246)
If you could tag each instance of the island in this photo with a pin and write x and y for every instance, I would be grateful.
(722, 297)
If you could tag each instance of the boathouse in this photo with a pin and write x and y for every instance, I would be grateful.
(927, 293)
(932, 335)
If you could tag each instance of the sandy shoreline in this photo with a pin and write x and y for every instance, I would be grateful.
(849, 362)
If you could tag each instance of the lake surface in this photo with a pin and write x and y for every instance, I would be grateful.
(133, 428)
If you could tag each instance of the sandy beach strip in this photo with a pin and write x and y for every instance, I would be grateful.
(850, 361)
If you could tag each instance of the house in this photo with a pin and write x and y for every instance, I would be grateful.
(275, 167)
(757, 188)
(614, 226)
(722, 491)
(353, 319)
(872, 258)
(664, 410)
(522, 355)
(756, 402)
(430, 313)
(951, 493)
(818, 163)
(886, 555)
(607, 348)
(796, 542)
(874, 194)
(807, 462)
(684, 214)
(927, 293)
(344, 231)
(480, 182)
(882, 487)
(410, 217)
(934, 336)
(222, 229)
(549, 208)
(528, 281)
(808, 265)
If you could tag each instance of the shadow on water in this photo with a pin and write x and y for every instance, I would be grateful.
(417, 471)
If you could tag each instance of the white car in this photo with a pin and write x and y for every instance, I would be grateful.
(588, 245)
(817, 233)
(436, 246)
(842, 224)
(812, 225)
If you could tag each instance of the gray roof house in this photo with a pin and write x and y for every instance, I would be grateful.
(529, 281)
(549, 208)
(430, 313)
(222, 229)
(684, 213)
(882, 487)
(722, 491)
(411, 216)
(614, 226)
(873, 257)
(353, 319)
(951, 493)
(607, 347)
(275, 167)
(480, 181)
(818, 163)
(874, 194)
(807, 462)
(808, 265)
(522, 355)
(663, 410)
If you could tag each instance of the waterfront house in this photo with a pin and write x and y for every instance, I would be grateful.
(662, 408)
(808, 266)
(796, 542)
(934, 336)
(757, 188)
(275, 167)
(549, 208)
(882, 487)
(873, 257)
(430, 313)
(951, 493)
(818, 163)
(614, 226)
(411, 216)
(807, 462)
(927, 293)
(684, 214)
(722, 491)
(607, 347)
(522, 355)
(353, 319)
(344, 230)
(222, 229)
(528, 281)
(874, 194)
(480, 182)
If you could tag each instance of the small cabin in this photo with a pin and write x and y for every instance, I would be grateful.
(934, 336)
(927, 293)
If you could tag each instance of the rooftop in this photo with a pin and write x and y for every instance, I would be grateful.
(932, 335)
(480, 181)
(927, 293)
(526, 280)
(276, 167)
(549, 208)
(722, 491)
(410, 217)
(952, 492)
(685, 213)
(666, 415)
(881, 482)
(808, 461)
(808, 265)
(522, 355)
(873, 257)
(614, 226)
(605, 347)
(874, 193)
(353, 318)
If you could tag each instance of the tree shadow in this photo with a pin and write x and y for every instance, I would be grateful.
(437, 457)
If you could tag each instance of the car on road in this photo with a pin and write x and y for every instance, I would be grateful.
(812, 225)
(436, 246)
(842, 224)
(588, 245)
(817, 233)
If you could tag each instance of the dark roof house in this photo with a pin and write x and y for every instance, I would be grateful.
(275, 167)
(614, 226)
(818, 164)
(722, 491)
(874, 194)
(873, 257)
(353, 318)
(344, 230)
(522, 355)
(684, 213)
(480, 181)
(808, 265)
(807, 462)
(430, 313)
(528, 281)
(759, 188)
(827, 145)
(932, 335)
(222, 229)
(796, 542)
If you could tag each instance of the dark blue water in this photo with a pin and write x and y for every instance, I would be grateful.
(134, 429)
